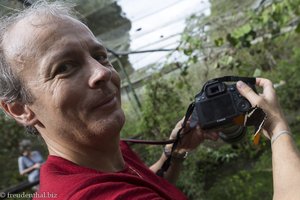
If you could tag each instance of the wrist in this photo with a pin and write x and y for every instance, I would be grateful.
(278, 128)
(279, 134)
(274, 124)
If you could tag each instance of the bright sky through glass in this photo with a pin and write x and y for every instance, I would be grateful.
(156, 24)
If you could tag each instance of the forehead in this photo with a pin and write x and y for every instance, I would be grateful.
(35, 36)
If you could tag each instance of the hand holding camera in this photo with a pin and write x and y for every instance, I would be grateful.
(192, 137)
(218, 111)
(225, 110)
(224, 107)
(276, 121)
(219, 106)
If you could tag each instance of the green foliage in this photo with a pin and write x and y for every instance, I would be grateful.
(10, 134)
(244, 185)
(161, 110)
(259, 26)
(289, 74)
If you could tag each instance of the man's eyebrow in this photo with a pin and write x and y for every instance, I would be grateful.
(60, 54)
(98, 47)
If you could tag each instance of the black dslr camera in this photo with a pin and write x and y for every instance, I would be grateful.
(219, 106)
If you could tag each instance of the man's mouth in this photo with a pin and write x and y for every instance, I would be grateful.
(108, 101)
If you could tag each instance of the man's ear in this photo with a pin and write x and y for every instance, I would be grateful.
(20, 112)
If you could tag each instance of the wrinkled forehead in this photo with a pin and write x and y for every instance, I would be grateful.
(32, 37)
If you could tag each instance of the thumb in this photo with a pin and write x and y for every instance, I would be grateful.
(247, 92)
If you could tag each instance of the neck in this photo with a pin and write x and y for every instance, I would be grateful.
(107, 158)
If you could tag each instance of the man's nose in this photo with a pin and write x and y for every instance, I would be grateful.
(99, 74)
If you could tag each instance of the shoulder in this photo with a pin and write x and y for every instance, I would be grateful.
(36, 156)
(36, 153)
(21, 160)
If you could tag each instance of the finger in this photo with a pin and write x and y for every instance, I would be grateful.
(248, 93)
(179, 123)
(267, 85)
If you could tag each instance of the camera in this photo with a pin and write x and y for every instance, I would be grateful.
(219, 106)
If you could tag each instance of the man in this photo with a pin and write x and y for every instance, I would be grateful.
(56, 80)
(29, 162)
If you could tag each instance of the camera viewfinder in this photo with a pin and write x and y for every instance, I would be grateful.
(215, 89)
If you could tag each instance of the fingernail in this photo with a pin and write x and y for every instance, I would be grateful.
(240, 84)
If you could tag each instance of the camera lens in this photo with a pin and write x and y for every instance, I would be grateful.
(233, 134)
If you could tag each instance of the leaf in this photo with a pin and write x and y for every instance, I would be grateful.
(225, 62)
(240, 32)
(188, 52)
(179, 85)
(265, 17)
(257, 72)
(219, 42)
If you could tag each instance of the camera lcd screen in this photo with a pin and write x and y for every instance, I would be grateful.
(217, 108)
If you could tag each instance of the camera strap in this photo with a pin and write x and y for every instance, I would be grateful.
(175, 141)
(167, 163)
(255, 117)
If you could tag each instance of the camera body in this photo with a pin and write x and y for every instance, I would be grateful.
(219, 106)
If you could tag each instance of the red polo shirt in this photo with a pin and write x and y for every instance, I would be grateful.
(65, 180)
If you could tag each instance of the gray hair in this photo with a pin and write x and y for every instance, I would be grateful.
(12, 88)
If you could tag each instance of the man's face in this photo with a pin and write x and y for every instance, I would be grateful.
(76, 90)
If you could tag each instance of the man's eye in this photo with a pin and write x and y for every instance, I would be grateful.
(63, 68)
(101, 58)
